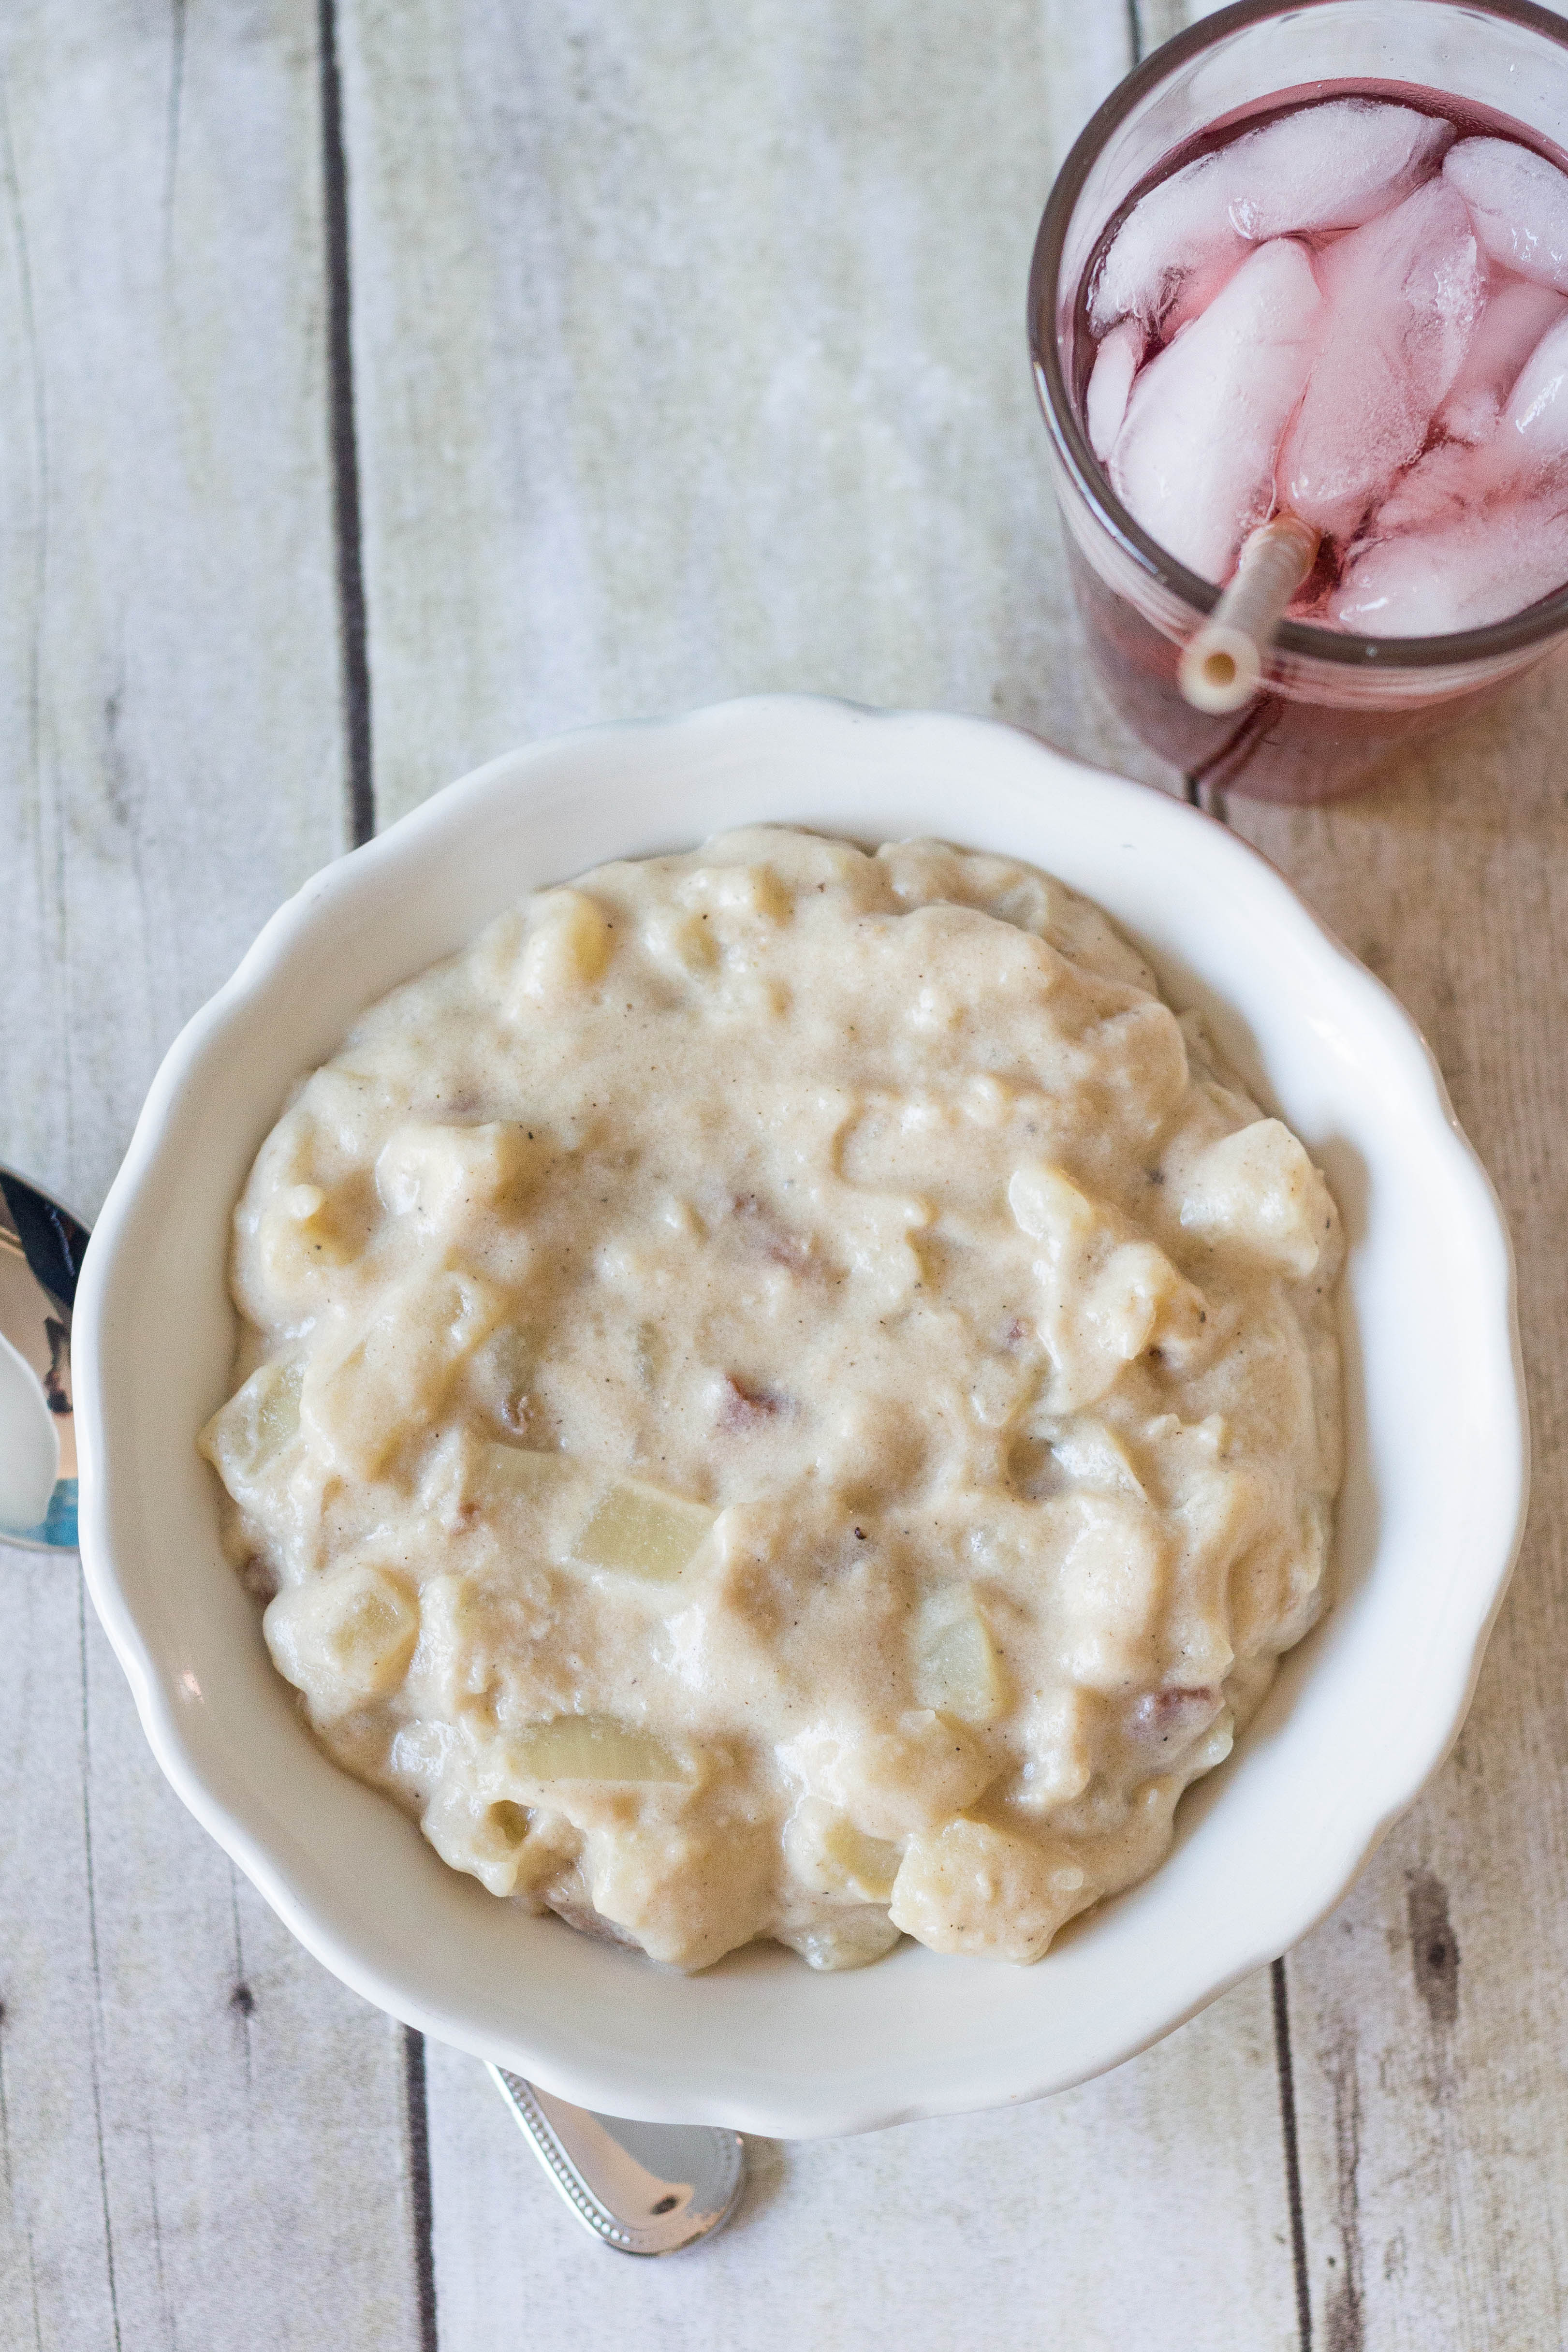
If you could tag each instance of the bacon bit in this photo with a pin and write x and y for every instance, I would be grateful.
(1017, 1331)
(745, 1406)
(467, 1514)
(1162, 1718)
(789, 1250)
(567, 1901)
(774, 1241)
(259, 1577)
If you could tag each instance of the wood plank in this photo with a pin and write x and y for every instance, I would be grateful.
(1431, 2012)
(1110, 2216)
(690, 362)
(203, 2136)
(173, 736)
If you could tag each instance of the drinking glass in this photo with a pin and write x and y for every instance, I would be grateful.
(1331, 707)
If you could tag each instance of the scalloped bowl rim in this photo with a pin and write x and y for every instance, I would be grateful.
(760, 2044)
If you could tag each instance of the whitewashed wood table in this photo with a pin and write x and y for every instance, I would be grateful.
(383, 385)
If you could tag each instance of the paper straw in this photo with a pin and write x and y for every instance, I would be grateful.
(1222, 666)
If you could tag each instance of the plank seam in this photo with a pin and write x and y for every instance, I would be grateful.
(95, 2042)
(165, 2310)
(171, 122)
(241, 2000)
(419, 2184)
(1285, 2066)
(40, 438)
(351, 627)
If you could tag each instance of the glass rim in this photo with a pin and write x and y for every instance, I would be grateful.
(1535, 624)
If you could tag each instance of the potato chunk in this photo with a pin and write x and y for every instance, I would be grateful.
(327, 1226)
(643, 1531)
(688, 1890)
(831, 1856)
(567, 946)
(254, 1425)
(1059, 1738)
(508, 1848)
(865, 1866)
(1110, 1581)
(892, 1781)
(442, 1175)
(841, 1940)
(1107, 1298)
(1256, 1192)
(343, 1639)
(739, 894)
(391, 1380)
(968, 1887)
(589, 1747)
(1049, 1208)
(1093, 1456)
(955, 1663)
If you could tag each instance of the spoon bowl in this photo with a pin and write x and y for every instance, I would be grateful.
(41, 1247)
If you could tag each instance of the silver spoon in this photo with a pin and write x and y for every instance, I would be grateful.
(643, 2189)
(41, 1246)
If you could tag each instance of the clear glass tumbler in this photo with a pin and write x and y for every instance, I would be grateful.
(1333, 707)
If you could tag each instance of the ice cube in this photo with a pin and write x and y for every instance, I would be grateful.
(1402, 297)
(1537, 413)
(1449, 482)
(1198, 288)
(1517, 315)
(1483, 566)
(1331, 166)
(1195, 458)
(1519, 203)
(1453, 482)
(1110, 385)
(1181, 225)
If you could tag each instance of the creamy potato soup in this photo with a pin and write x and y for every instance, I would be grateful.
(784, 1394)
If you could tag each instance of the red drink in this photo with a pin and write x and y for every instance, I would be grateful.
(1347, 299)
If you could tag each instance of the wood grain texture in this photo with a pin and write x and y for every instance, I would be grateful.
(1087, 2221)
(169, 733)
(201, 2135)
(690, 359)
(1431, 2038)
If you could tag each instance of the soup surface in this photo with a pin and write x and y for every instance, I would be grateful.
(785, 1393)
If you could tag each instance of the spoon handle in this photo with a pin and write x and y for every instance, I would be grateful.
(643, 2189)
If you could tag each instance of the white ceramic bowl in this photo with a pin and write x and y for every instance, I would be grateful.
(1363, 1713)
